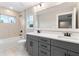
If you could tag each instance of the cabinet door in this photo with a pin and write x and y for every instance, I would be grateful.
(55, 51)
(35, 48)
(27, 42)
(30, 44)
(70, 53)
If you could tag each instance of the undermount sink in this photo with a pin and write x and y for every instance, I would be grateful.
(65, 37)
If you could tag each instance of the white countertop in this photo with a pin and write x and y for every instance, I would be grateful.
(57, 37)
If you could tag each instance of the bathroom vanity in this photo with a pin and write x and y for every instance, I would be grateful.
(56, 20)
(51, 45)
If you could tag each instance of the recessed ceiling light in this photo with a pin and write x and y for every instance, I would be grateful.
(11, 7)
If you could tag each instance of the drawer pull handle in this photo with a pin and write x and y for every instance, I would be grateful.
(66, 54)
(44, 46)
(43, 40)
(31, 43)
(44, 52)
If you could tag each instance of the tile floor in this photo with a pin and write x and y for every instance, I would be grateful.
(13, 47)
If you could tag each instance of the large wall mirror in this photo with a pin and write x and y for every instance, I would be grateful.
(47, 19)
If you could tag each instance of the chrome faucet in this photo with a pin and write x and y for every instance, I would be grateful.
(67, 34)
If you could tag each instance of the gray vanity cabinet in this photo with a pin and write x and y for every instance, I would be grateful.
(55, 51)
(50, 47)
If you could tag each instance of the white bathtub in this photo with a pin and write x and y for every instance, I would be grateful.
(12, 46)
(13, 40)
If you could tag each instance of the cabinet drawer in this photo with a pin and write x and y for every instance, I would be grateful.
(32, 37)
(45, 46)
(45, 40)
(61, 44)
(43, 52)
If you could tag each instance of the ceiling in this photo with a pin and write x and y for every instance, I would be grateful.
(20, 6)
(17, 6)
(45, 5)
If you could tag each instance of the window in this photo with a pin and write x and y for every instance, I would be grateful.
(7, 19)
(30, 21)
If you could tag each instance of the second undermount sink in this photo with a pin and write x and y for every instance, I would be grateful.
(65, 37)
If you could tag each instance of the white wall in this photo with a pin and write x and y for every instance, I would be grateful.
(23, 23)
(9, 30)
